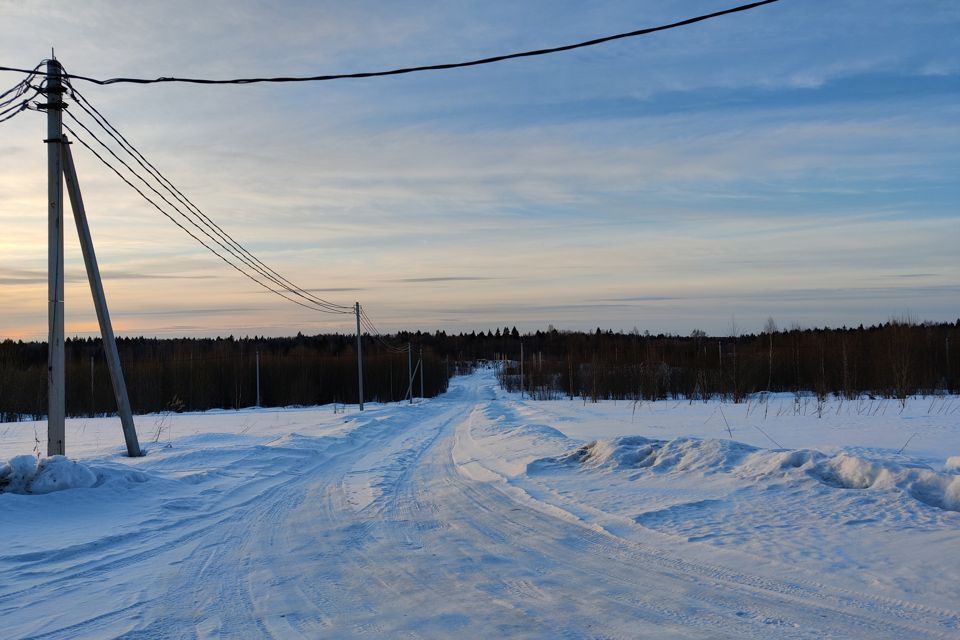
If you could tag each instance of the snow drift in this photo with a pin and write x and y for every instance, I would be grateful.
(708, 456)
(24, 474)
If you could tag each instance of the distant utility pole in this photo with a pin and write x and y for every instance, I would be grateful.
(356, 307)
(420, 364)
(410, 372)
(56, 377)
(258, 378)
(521, 369)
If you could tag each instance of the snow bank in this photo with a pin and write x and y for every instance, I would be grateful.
(706, 457)
(661, 456)
(940, 490)
(23, 474)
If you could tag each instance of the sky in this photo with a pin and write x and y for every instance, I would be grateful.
(798, 161)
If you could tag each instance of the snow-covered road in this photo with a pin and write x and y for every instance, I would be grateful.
(470, 514)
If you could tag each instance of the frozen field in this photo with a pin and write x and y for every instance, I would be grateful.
(479, 514)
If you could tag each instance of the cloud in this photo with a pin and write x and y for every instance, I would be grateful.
(446, 279)
(34, 276)
(772, 152)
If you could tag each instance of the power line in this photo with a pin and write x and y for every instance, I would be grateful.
(12, 106)
(15, 110)
(252, 260)
(218, 236)
(184, 229)
(222, 240)
(379, 338)
(365, 319)
(375, 333)
(21, 87)
(432, 67)
(327, 306)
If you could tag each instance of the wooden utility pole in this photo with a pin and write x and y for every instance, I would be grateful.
(356, 307)
(420, 364)
(56, 377)
(410, 373)
(99, 302)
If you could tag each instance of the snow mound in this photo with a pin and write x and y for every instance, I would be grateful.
(23, 474)
(637, 452)
(708, 456)
(532, 435)
(941, 490)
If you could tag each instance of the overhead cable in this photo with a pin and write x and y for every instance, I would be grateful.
(185, 230)
(430, 67)
(12, 102)
(245, 255)
(375, 333)
(204, 231)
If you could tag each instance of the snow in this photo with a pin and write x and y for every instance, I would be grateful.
(25, 474)
(684, 455)
(952, 465)
(482, 513)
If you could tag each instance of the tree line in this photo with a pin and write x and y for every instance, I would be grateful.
(195, 374)
(894, 359)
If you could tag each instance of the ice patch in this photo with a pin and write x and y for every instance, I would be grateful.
(706, 457)
(23, 474)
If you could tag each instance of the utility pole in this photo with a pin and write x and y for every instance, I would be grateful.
(356, 308)
(521, 369)
(56, 377)
(420, 364)
(410, 373)
(99, 302)
(258, 378)
(93, 393)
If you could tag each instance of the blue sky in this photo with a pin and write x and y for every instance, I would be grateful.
(798, 161)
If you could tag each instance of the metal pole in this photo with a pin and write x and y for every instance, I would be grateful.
(56, 377)
(410, 373)
(258, 378)
(100, 303)
(420, 364)
(359, 358)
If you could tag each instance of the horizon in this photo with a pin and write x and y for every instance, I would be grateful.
(740, 332)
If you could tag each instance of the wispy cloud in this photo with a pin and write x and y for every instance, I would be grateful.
(752, 160)
(446, 279)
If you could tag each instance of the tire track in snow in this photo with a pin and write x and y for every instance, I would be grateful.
(859, 612)
(282, 548)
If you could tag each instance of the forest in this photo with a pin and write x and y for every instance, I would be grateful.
(894, 360)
